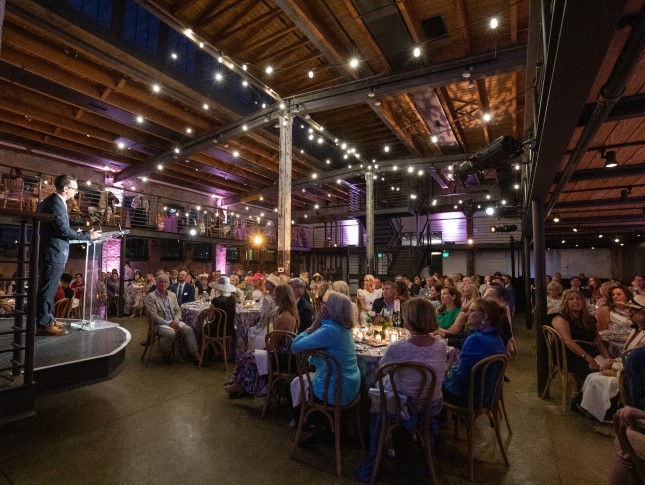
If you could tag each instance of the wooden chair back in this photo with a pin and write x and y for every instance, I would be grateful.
(419, 403)
(213, 322)
(557, 362)
(330, 408)
(279, 374)
(61, 308)
(484, 395)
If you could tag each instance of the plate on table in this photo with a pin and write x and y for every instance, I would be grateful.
(374, 343)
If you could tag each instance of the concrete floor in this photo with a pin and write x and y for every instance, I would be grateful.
(174, 424)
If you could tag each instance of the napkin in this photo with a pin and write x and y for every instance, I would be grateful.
(262, 361)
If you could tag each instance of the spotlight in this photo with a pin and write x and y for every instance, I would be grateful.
(610, 159)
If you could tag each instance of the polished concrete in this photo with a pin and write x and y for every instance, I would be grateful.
(174, 424)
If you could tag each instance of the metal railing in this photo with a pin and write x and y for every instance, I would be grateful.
(17, 351)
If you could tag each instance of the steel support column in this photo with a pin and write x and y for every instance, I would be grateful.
(537, 209)
(470, 253)
(284, 193)
(369, 220)
(526, 269)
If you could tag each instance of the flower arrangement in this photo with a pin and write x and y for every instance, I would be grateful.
(381, 322)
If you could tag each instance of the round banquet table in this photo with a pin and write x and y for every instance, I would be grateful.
(369, 359)
(244, 318)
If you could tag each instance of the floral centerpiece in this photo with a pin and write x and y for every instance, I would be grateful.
(381, 323)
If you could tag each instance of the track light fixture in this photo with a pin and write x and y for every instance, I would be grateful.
(609, 158)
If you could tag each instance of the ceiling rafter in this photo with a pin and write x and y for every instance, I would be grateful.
(482, 97)
(258, 23)
(206, 20)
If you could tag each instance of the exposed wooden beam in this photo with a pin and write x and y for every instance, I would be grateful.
(207, 19)
(489, 64)
(179, 6)
(233, 22)
(389, 117)
(301, 15)
(463, 13)
(452, 116)
(258, 23)
(412, 21)
(274, 37)
(484, 108)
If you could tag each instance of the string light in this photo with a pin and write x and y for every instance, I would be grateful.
(310, 74)
(268, 69)
(416, 52)
(434, 139)
(139, 119)
(353, 63)
(156, 88)
(486, 117)
(205, 106)
(218, 76)
(494, 23)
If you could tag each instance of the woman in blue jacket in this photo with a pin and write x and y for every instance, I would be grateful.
(485, 318)
(332, 332)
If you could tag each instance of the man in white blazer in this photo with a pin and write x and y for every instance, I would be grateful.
(166, 313)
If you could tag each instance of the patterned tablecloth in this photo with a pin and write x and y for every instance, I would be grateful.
(614, 343)
(243, 320)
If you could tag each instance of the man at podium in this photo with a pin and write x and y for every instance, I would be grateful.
(54, 250)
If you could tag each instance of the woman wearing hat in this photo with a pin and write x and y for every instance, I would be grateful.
(314, 288)
(224, 299)
(258, 292)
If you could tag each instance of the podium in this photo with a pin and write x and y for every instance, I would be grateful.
(95, 296)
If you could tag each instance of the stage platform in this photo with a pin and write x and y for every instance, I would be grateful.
(86, 355)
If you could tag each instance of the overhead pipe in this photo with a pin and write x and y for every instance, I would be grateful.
(608, 96)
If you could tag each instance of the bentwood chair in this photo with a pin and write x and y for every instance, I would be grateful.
(638, 469)
(557, 360)
(331, 411)
(486, 381)
(61, 308)
(281, 366)
(213, 322)
(152, 339)
(392, 404)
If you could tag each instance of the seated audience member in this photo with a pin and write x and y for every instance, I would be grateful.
(626, 461)
(332, 332)
(484, 317)
(499, 295)
(78, 285)
(638, 285)
(165, 311)
(617, 312)
(387, 303)
(576, 284)
(553, 296)
(245, 378)
(305, 311)
(594, 288)
(366, 296)
(450, 307)
(201, 285)
(184, 290)
(580, 335)
(224, 299)
(600, 387)
(64, 291)
(434, 294)
(468, 294)
(402, 291)
(420, 319)
(342, 287)
(258, 291)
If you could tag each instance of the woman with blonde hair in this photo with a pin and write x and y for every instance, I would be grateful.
(580, 335)
(469, 292)
(365, 297)
(342, 287)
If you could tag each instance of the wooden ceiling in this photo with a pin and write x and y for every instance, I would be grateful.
(76, 74)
